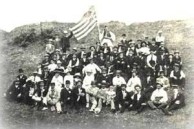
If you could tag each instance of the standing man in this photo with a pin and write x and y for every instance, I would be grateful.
(64, 42)
(107, 37)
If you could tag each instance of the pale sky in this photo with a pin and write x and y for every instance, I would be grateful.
(14, 13)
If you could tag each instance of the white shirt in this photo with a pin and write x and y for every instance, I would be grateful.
(71, 79)
(164, 81)
(34, 79)
(133, 81)
(58, 81)
(87, 81)
(160, 93)
(160, 38)
(145, 50)
(181, 73)
(52, 67)
(91, 67)
(117, 81)
(151, 57)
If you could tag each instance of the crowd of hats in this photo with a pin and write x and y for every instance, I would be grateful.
(127, 57)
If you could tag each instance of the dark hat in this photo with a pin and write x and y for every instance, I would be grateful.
(52, 84)
(83, 48)
(93, 83)
(20, 70)
(123, 34)
(58, 71)
(115, 47)
(123, 85)
(92, 47)
(67, 82)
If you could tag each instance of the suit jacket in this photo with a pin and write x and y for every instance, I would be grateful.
(137, 103)
(22, 79)
(65, 94)
(180, 97)
(84, 62)
(88, 55)
(75, 93)
(65, 41)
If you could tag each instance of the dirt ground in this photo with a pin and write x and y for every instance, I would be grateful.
(18, 116)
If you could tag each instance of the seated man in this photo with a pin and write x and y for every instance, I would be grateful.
(57, 79)
(177, 76)
(118, 80)
(105, 96)
(53, 98)
(79, 96)
(138, 102)
(122, 98)
(74, 64)
(151, 61)
(158, 98)
(133, 81)
(91, 96)
(35, 78)
(21, 77)
(14, 92)
(177, 101)
(163, 80)
(66, 97)
(39, 96)
(70, 78)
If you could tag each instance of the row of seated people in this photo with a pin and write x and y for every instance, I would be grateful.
(132, 95)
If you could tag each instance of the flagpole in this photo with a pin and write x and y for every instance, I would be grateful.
(98, 26)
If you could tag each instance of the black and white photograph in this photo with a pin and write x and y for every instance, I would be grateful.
(96, 64)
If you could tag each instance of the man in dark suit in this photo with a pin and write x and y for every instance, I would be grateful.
(64, 42)
(123, 40)
(78, 96)
(66, 97)
(138, 102)
(81, 53)
(122, 98)
(92, 52)
(148, 84)
(177, 100)
(21, 77)
(14, 93)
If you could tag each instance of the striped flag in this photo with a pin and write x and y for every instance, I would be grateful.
(86, 24)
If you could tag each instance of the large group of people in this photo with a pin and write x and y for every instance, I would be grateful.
(130, 76)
